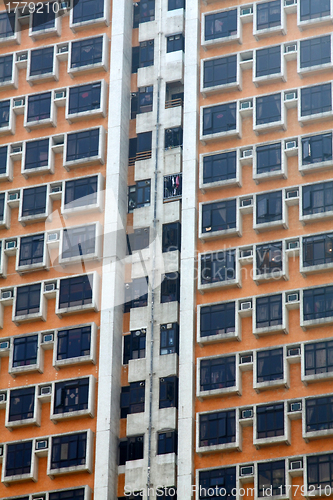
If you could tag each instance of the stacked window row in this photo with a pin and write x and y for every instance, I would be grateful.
(83, 493)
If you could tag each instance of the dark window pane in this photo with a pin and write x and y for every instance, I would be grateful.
(77, 494)
(175, 43)
(268, 109)
(269, 258)
(18, 458)
(268, 158)
(4, 113)
(318, 303)
(171, 234)
(31, 250)
(268, 61)
(25, 351)
(79, 241)
(316, 148)
(82, 145)
(173, 185)
(312, 9)
(320, 471)
(269, 207)
(28, 299)
(319, 414)
(217, 373)
(270, 365)
(84, 98)
(217, 319)
(271, 478)
(41, 61)
(221, 118)
(68, 450)
(316, 99)
(134, 346)
(3, 168)
(75, 291)
(36, 154)
(170, 287)
(169, 338)
(270, 421)
(217, 428)
(221, 480)
(146, 54)
(71, 396)
(168, 392)
(7, 24)
(39, 107)
(43, 18)
(318, 250)
(269, 311)
(74, 343)
(87, 10)
(86, 52)
(34, 201)
(219, 167)
(22, 403)
(217, 267)
(219, 216)
(6, 67)
(315, 51)
(268, 15)
(220, 71)
(81, 192)
(167, 442)
(221, 25)
(317, 198)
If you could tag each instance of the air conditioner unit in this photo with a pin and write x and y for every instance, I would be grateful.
(56, 189)
(292, 297)
(246, 105)
(53, 237)
(247, 253)
(291, 144)
(246, 359)
(48, 337)
(62, 49)
(2, 397)
(42, 445)
(291, 245)
(247, 413)
(246, 11)
(60, 95)
(16, 149)
(290, 48)
(292, 194)
(13, 196)
(18, 103)
(296, 406)
(22, 57)
(290, 96)
(7, 294)
(4, 345)
(49, 287)
(295, 465)
(246, 202)
(247, 153)
(247, 470)
(244, 306)
(46, 390)
(10, 245)
(294, 351)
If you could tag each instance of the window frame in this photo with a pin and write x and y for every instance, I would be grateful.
(269, 174)
(312, 166)
(322, 239)
(313, 377)
(42, 216)
(220, 337)
(325, 187)
(287, 485)
(236, 84)
(229, 231)
(86, 467)
(96, 206)
(228, 389)
(38, 366)
(325, 428)
(40, 122)
(34, 420)
(87, 257)
(35, 316)
(273, 383)
(32, 475)
(308, 23)
(269, 222)
(132, 335)
(166, 402)
(173, 436)
(221, 183)
(82, 359)
(98, 158)
(47, 32)
(269, 440)
(234, 281)
(102, 20)
(51, 75)
(12, 82)
(221, 40)
(278, 75)
(270, 30)
(316, 490)
(98, 112)
(91, 306)
(87, 68)
(16, 37)
(276, 273)
(9, 129)
(319, 320)
(231, 445)
(280, 327)
(44, 263)
(232, 132)
(317, 66)
(66, 415)
(171, 42)
(8, 174)
(317, 115)
(168, 347)
(279, 124)
(47, 169)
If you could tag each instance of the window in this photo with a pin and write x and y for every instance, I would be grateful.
(132, 399)
(136, 293)
(317, 198)
(25, 351)
(269, 258)
(134, 346)
(219, 167)
(147, 11)
(2, 206)
(269, 311)
(220, 71)
(268, 61)
(138, 240)
(173, 185)
(77, 494)
(270, 421)
(78, 241)
(217, 428)
(87, 10)
(82, 145)
(176, 4)
(6, 68)
(217, 373)
(139, 195)
(34, 201)
(140, 147)
(131, 449)
(81, 192)
(44, 19)
(7, 24)
(175, 43)
(84, 98)
(221, 25)
(269, 207)
(317, 250)
(39, 107)
(217, 267)
(135, 59)
(87, 52)
(221, 118)
(169, 338)
(171, 235)
(316, 149)
(319, 414)
(318, 357)
(167, 442)
(268, 15)
(146, 54)
(3, 166)
(173, 137)
(31, 250)
(136, 15)
(218, 216)
(168, 392)
(269, 365)
(70, 396)
(28, 299)
(36, 154)
(76, 291)
(21, 404)
(4, 113)
(320, 471)
(221, 480)
(312, 9)
(268, 109)
(142, 101)
(316, 99)
(69, 450)
(74, 342)
(170, 288)
(218, 319)
(19, 456)
(41, 61)
(271, 478)
(315, 51)
(318, 303)
(268, 158)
